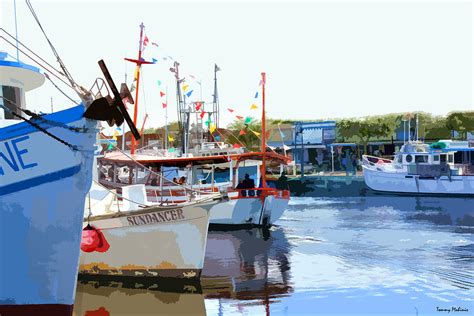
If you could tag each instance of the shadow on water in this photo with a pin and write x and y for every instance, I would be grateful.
(249, 264)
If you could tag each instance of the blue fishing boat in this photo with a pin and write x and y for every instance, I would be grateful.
(45, 173)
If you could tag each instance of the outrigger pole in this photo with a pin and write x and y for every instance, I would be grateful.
(139, 62)
(264, 143)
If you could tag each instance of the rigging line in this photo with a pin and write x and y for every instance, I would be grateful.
(72, 147)
(59, 89)
(29, 50)
(41, 65)
(39, 117)
(63, 66)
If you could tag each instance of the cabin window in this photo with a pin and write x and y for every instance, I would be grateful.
(421, 158)
(450, 158)
(436, 158)
(400, 159)
(409, 158)
(442, 158)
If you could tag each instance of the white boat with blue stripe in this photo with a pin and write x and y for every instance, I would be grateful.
(45, 173)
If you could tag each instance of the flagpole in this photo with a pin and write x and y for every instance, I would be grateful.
(139, 62)
(264, 146)
(166, 120)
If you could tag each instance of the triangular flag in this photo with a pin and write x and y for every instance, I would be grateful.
(242, 132)
(158, 82)
(116, 133)
(154, 44)
(256, 133)
(164, 105)
(202, 114)
(192, 76)
(236, 146)
(145, 41)
(230, 110)
(118, 129)
(256, 95)
(253, 107)
(185, 87)
(154, 60)
(239, 117)
(198, 106)
(170, 138)
(217, 137)
(248, 120)
(212, 128)
(260, 83)
(110, 146)
(132, 88)
(162, 94)
(189, 93)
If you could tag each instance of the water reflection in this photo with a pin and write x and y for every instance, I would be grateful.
(95, 298)
(247, 265)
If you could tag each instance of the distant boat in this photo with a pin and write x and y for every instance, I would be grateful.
(444, 168)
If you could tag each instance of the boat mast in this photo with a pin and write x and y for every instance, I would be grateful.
(264, 145)
(138, 63)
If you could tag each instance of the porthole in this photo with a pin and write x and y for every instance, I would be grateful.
(409, 158)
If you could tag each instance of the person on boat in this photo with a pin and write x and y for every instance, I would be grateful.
(175, 181)
(249, 183)
(154, 181)
(241, 187)
(182, 180)
(281, 183)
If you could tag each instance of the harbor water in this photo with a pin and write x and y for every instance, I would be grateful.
(371, 255)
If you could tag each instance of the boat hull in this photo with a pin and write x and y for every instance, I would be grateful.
(162, 242)
(41, 212)
(254, 211)
(411, 184)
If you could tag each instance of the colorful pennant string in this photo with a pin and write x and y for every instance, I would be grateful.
(164, 105)
(230, 110)
(253, 107)
(158, 82)
(242, 132)
(185, 87)
(202, 114)
(189, 93)
(198, 106)
(162, 94)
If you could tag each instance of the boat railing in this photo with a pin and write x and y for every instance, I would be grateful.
(374, 161)
(257, 192)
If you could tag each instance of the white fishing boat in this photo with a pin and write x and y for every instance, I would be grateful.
(254, 204)
(45, 173)
(444, 168)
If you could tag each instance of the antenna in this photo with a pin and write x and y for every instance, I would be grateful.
(16, 32)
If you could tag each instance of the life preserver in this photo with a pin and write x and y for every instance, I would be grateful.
(93, 240)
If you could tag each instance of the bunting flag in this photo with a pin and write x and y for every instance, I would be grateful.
(145, 41)
(242, 132)
(135, 74)
(256, 95)
(236, 146)
(260, 83)
(217, 137)
(239, 117)
(248, 120)
(164, 105)
(154, 60)
(154, 44)
(189, 93)
(208, 122)
(253, 107)
(212, 128)
(192, 76)
(132, 88)
(256, 133)
(110, 146)
(116, 133)
(230, 110)
(216, 68)
(202, 114)
(158, 82)
(118, 129)
(162, 94)
(185, 87)
(198, 106)
(170, 138)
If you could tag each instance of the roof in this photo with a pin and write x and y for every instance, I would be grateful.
(119, 157)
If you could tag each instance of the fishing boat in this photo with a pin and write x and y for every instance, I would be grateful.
(442, 168)
(148, 239)
(255, 204)
(45, 173)
(145, 238)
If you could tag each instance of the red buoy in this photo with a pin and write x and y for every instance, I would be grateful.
(90, 239)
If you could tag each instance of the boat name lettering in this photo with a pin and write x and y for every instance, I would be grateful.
(157, 217)
(11, 155)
